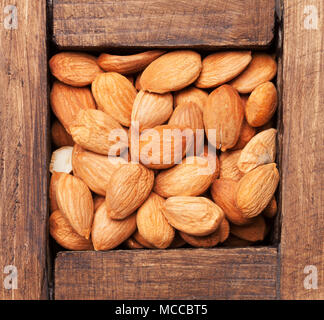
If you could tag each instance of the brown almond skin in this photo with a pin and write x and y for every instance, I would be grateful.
(131, 243)
(128, 188)
(93, 130)
(197, 216)
(67, 101)
(74, 69)
(64, 235)
(253, 232)
(94, 169)
(171, 72)
(234, 242)
(152, 109)
(128, 64)
(115, 95)
(261, 149)
(209, 152)
(151, 223)
(224, 113)
(256, 189)
(98, 201)
(189, 178)
(139, 238)
(222, 67)
(261, 105)
(247, 133)
(75, 201)
(191, 94)
(52, 191)
(271, 209)
(261, 69)
(59, 135)
(228, 165)
(223, 192)
(108, 233)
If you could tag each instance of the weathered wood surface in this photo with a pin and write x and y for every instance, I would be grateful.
(23, 151)
(247, 273)
(302, 238)
(163, 23)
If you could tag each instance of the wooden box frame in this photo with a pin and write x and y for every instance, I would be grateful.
(291, 269)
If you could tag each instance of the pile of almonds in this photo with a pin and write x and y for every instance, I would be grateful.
(162, 149)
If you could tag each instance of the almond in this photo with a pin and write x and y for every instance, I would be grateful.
(75, 202)
(189, 178)
(228, 165)
(223, 192)
(75, 69)
(234, 242)
(261, 69)
(97, 202)
(97, 131)
(271, 209)
(52, 191)
(177, 242)
(152, 109)
(128, 64)
(64, 235)
(61, 160)
(253, 232)
(94, 169)
(59, 135)
(171, 72)
(163, 146)
(270, 124)
(209, 152)
(151, 223)
(247, 133)
(261, 149)
(128, 188)
(223, 117)
(67, 101)
(138, 85)
(196, 216)
(261, 105)
(138, 237)
(108, 233)
(115, 95)
(191, 94)
(131, 243)
(256, 189)
(221, 67)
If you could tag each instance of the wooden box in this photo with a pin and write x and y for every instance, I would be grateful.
(291, 268)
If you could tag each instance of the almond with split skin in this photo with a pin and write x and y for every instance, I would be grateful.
(253, 232)
(261, 149)
(128, 64)
(222, 67)
(223, 192)
(261, 105)
(171, 72)
(261, 69)
(115, 95)
(74, 69)
(228, 165)
(75, 201)
(67, 101)
(197, 216)
(94, 169)
(128, 188)
(223, 117)
(98, 132)
(256, 189)
(61, 160)
(192, 177)
(191, 94)
(108, 233)
(151, 223)
(59, 135)
(64, 235)
(151, 109)
(163, 146)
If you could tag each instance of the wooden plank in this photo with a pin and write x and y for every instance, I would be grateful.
(23, 151)
(163, 23)
(247, 273)
(302, 235)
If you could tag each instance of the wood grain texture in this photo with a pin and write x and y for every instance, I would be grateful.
(163, 23)
(302, 237)
(247, 273)
(23, 151)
